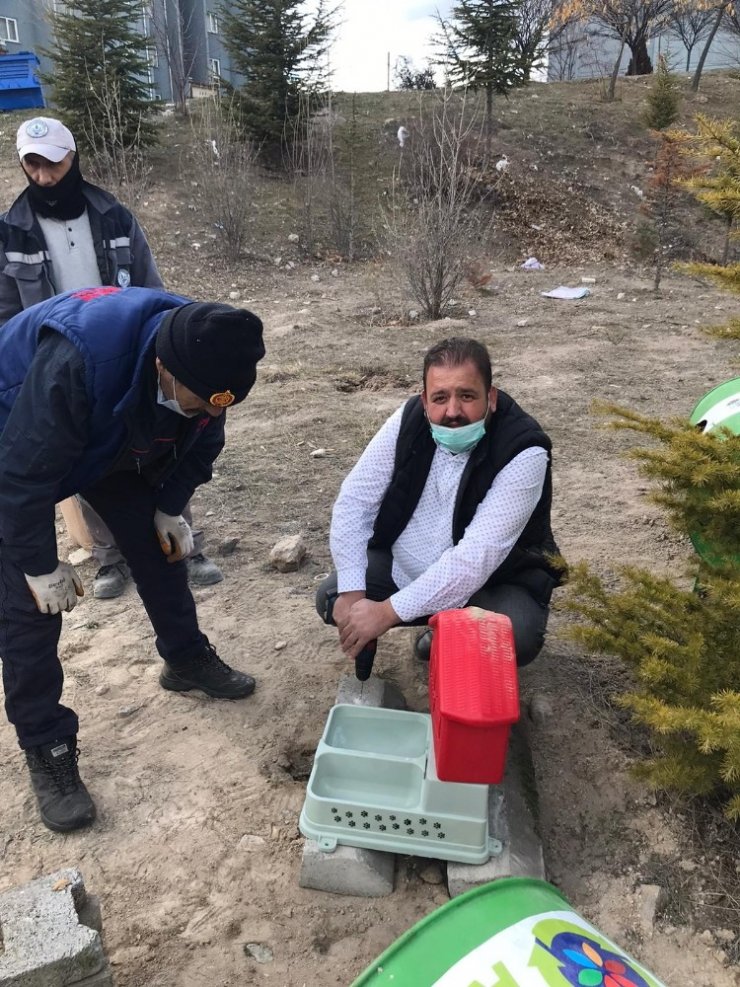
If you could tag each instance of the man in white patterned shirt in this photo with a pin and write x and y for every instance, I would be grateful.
(448, 506)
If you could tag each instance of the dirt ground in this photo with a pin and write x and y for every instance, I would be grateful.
(196, 851)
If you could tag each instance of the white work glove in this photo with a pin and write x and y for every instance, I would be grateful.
(56, 591)
(175, 536)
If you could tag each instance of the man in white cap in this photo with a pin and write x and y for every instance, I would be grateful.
(63, 233)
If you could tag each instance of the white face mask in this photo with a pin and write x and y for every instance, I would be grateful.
(172, 403)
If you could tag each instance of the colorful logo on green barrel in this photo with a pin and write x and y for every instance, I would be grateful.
(573, 955)
(585, 963)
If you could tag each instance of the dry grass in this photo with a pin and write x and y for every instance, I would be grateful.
(569, 194)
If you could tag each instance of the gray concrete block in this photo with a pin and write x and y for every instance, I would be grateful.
(372, 692)
(512, 819)
(347, 870)
(44, 942)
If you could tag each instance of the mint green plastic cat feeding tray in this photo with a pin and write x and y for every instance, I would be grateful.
(374, 730)
(374, 784)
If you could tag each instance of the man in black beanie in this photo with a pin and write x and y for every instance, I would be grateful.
(120, 396)
(63, 233)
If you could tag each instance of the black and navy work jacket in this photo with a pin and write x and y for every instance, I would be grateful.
(78, 400)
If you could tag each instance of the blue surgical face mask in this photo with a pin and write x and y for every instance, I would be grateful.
(172, 403)
(460, 439)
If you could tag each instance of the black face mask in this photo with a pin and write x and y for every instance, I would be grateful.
(63, 200)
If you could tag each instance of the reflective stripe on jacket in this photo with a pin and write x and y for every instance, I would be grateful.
(26, 276)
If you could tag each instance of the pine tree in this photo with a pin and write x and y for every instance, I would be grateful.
(663, 195)
(478, 43)
(407, 77)
(280, 50)
(353, 183)
(664, 98)
(717, 186)
(683, 645)
(100, 71)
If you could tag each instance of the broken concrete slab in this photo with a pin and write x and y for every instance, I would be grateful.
(347, 870)
(46, 940)
(512, 819)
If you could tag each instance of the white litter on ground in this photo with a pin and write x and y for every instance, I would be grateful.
(562, 291)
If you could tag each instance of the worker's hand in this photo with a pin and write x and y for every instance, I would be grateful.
(342, 606)
(175, 536)
(366, 622)
(56, 591)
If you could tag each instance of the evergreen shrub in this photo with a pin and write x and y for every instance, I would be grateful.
(682, 642)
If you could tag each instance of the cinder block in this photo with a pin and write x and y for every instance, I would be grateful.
(372, 692)
(512, 819)
(347, 870)
(44, 941)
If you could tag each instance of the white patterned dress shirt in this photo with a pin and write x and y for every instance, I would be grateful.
(431, 573)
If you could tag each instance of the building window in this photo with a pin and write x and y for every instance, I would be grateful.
(8, 29)
(152, 57)
(212, 23)
(215, 64)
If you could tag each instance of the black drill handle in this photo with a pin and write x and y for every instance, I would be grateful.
(364, 660)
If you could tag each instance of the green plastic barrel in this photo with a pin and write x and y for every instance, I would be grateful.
(516, 932)
(720, 407)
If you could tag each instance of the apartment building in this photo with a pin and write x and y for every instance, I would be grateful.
(182, 39)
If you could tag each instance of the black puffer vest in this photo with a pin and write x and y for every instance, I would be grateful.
(510, 431)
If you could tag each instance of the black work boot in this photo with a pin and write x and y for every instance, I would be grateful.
(203, 571)
(209, 674)
(64, 802)
(110, 581)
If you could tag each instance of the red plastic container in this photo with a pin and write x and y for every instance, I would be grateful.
(473, 694)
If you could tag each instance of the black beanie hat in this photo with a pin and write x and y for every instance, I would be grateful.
(212, 349)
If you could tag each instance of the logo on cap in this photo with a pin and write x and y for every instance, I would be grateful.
(37, 128)
(221, 399)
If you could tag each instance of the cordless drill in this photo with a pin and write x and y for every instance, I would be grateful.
(364, 660)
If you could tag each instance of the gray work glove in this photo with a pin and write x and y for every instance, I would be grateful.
(175, 535)
(57, 590)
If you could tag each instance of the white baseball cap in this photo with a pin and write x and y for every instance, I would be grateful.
(44, 136)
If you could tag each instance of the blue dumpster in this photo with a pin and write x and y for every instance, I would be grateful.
(20, 88)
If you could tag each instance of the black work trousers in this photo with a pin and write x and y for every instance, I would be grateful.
(32, 672)
(528, 616)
